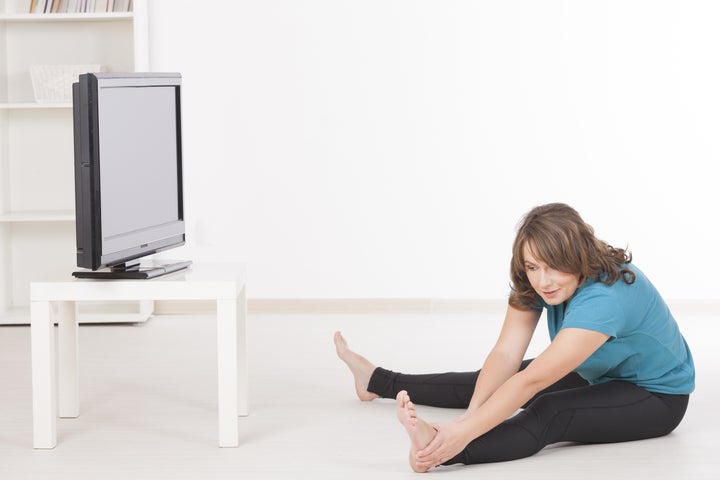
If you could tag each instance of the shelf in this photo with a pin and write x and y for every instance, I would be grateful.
(125, 312)
(33, 105)
(38, 216)
(37, 209)
(15, 316)
(63, 17)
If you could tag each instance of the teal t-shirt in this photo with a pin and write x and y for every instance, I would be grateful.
(645, 345)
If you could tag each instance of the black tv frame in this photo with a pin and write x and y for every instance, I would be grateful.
(88, 207)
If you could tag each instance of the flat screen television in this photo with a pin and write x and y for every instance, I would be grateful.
(128, 173)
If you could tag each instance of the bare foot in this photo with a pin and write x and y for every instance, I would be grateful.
(420, 432)
(360, 367)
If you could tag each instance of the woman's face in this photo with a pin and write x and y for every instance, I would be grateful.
(553, 286)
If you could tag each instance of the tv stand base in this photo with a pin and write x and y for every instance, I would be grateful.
(133, 271)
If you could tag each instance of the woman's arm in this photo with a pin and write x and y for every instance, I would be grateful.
(504, 359)
(568, 350)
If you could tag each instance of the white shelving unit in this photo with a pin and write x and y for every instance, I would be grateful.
(37, 203)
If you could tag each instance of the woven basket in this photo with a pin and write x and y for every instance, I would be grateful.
(53, 83)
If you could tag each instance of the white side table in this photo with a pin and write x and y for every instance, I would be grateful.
(224, 284)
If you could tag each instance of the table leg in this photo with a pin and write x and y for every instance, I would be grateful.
(242, 357)
(68, 387)
(146, 310)
(227, 326)
(44, 384)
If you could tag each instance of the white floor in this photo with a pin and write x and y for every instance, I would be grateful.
(148, 405)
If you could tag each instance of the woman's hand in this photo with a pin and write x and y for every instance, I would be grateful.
(450, 440)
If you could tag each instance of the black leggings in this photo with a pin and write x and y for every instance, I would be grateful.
(567, 411)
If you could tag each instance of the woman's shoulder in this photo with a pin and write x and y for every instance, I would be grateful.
(594, 290)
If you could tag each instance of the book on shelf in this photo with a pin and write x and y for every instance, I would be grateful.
(37, 6)
(80, 6)
(122, 6)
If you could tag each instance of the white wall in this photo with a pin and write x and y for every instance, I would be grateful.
(387, 148)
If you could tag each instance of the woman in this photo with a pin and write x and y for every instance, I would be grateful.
(616, 369)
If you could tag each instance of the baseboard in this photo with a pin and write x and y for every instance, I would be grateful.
(344, 305)
(679, 308)
(375, 305)
(695, 306)
(397, 305)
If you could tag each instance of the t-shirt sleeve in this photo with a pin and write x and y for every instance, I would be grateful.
(595, 309)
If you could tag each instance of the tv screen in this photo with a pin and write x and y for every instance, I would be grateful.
(128, 172)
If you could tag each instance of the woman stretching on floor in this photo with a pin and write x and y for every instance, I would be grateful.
(616, 369)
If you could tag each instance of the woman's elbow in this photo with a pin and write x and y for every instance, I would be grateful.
(531, 383)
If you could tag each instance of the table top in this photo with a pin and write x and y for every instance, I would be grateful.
(204, 281)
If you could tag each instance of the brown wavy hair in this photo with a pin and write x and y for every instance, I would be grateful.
(557, 235)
